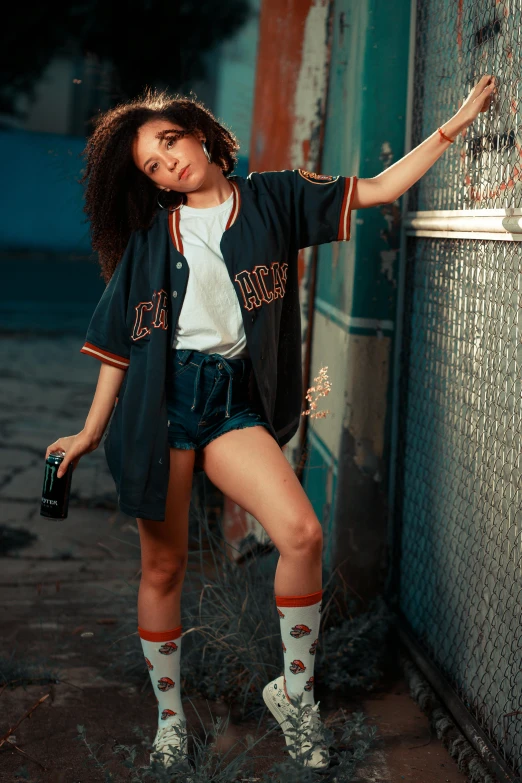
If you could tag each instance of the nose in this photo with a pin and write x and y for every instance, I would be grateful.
(169, 159)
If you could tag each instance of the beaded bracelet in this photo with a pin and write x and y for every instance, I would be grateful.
(444, 135)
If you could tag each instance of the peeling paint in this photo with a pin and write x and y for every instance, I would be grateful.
(310, 93)
(386, 154)
(293, 62)
(388, 259)
(366, 460)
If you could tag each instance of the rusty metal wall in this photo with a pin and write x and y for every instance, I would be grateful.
(355, 297)
(331, 97)
(288, 121)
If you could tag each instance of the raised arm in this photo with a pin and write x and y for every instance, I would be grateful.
(387, 186)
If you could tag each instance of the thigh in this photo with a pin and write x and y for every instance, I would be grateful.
(249, 467)
(165, 543)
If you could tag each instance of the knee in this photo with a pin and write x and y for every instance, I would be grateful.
(305, 537)
(165, 574)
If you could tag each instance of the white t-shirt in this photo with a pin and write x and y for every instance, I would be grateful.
(210, 318)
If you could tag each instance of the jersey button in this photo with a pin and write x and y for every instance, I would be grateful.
(179, 265)
(174, 294)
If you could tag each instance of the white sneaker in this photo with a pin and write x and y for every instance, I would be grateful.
(309, 734)
(170, 744)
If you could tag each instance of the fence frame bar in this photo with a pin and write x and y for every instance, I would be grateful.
(391, 590)
(477, 738)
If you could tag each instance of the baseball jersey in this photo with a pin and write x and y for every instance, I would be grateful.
(274, 214)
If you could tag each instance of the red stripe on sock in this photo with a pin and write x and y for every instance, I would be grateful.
(159, 636)
(299, 600)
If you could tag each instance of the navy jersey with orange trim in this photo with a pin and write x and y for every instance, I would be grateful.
(274, 215)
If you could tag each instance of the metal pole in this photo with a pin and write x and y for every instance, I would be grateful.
(392, 581)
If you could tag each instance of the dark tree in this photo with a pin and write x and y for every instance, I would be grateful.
(147, 42)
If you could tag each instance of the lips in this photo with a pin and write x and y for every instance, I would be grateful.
(183, 172)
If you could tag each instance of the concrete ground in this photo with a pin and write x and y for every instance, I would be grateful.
(64, 591)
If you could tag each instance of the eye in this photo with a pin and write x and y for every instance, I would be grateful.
(169, 141)
(172, 139)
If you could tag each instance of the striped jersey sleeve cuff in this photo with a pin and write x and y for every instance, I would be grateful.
(346, 209)
(105, 356)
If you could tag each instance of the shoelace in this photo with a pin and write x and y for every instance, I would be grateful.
(164, 738)
(312, 721)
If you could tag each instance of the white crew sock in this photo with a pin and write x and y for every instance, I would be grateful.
(300, 616)
(162, 651)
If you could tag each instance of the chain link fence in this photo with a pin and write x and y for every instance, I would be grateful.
(459, 479)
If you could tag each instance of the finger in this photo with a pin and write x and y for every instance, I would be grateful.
(64, 464)
(486, 90)
(51, 448)
(483, 82)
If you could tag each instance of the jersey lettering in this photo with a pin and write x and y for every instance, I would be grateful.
(279, 288)
(139, 330)
(253, 284)
(159, 320)
(251, 296)
(260, 272)
(319, 179)
(160, 314)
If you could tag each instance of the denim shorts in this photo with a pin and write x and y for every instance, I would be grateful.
(207, 395)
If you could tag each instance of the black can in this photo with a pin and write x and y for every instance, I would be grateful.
(55, 493)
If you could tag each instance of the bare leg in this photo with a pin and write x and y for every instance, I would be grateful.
(164, 550)
(249, 467)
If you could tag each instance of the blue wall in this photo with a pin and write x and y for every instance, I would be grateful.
(355, 295)
(42, 206)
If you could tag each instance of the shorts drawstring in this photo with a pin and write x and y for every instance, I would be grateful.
(221, 364)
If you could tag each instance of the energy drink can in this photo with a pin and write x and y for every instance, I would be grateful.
(55, 493)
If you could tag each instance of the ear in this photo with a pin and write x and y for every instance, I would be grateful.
(199, 135)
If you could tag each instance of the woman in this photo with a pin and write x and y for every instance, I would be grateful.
(198, 334)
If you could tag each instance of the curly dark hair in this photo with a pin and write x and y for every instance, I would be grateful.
(119, 198)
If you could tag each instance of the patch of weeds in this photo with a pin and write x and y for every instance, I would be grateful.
(93, 751)
(352, 649)
(232, 647)
(231, 642)
(19, 670)
(213, 759)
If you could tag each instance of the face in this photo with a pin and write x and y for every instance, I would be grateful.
(179, 165)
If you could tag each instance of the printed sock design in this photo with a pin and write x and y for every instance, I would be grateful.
(162, 651)
(300, 617)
